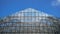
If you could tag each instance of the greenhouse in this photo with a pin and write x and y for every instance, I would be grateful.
(30, 21)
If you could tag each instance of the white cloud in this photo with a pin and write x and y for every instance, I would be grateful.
(56, 3)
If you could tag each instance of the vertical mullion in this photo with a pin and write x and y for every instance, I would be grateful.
(31, 21)
(39, 23)
(35, 23)
(20, 26)
(23, 23)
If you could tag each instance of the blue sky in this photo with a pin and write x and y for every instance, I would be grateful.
(8, 7)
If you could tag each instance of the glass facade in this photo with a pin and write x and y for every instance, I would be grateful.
(29, 22)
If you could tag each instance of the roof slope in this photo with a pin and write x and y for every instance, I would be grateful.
(29, 15)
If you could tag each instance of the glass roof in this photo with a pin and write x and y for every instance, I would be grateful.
(30, 15)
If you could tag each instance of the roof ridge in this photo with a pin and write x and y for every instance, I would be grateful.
(29, 10)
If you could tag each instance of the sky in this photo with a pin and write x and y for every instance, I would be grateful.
(8, 7)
